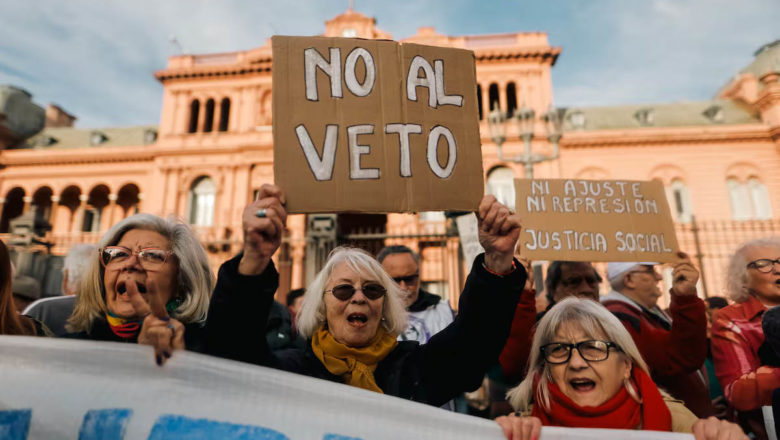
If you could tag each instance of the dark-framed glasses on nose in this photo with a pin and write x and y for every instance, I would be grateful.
(592, 350)
(409, 279)
(372, 291)
(764, 265)
(150, 258)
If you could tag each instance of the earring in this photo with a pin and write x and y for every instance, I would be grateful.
(631, 390)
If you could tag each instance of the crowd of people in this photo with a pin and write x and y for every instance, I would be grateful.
(568, 357)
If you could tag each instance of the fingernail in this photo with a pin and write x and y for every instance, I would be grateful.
(159, 360)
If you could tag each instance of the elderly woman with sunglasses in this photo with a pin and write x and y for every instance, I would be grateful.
(149, 280)
(586, 372)
(753, 283)
(352, 313)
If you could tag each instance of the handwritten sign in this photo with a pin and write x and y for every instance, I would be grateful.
(595, 220)
(375, 126)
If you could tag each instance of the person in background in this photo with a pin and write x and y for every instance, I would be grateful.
(353, 313)
(675, 346)
(150, 280)
(11, 322)
(753, 284)
(55, 311)
(278, 328)
(585, 371)
(428, 313)
(719, 406)
(295, 301)
(26, 290)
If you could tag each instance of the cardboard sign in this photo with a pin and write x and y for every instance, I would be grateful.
(375, 126)
(595, 220)
(65, 389)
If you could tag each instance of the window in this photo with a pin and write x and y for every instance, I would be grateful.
(511, 99)
(479, 100)
(208, 122)
(91, 221)
(680, 201)
(349, 33)
(224, 114)
(202, 196)
(749, 201)
(493, 96)
(194, 112)
(501, 184)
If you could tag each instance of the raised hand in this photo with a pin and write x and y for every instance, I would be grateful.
(158, 329)
(263, 233)
(715, 429)
(520, 428)
(684, 276)
(499, 230)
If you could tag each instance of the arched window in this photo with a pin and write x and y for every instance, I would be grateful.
(511, 99)
(479, 100)
(224, 114)
(202, 196)
(501, 184)
(194, 112)
(493, 96)
(681, 201)
(208, 121)
(740, 200)
(759, 196)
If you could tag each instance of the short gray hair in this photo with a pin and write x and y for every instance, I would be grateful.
(195, 279)
(76, 263)
(595, 321)
(737, 271)
(397, 249)
(313, 315)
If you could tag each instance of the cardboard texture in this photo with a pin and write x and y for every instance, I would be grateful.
(595, 220)
(372, 79)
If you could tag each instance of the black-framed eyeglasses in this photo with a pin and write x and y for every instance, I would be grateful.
(592, 350)
(150, 258)
(409, 279)
(764, 265)
(344, 292)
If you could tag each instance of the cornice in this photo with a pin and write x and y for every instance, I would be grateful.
(666, 136)
(547, 54)
(257, 66)
(69, 156)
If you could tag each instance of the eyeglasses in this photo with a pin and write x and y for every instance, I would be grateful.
(764, 265)
(344, 292)
(593, 350)
(150, 258)
(576, 281)
(649, 271)
(409, 279)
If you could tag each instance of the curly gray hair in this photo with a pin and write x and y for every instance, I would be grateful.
(737, 271)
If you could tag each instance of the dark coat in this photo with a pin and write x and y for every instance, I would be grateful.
(452, 362)
(194, 335)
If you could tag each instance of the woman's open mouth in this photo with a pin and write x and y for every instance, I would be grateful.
(121, 287)
(582, 385)
(357, 319)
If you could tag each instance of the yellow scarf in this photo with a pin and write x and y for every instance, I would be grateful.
(355, 365)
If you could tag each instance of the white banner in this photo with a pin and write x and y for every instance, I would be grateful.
(62, 389)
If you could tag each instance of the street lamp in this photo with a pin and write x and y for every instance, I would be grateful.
(525, 123)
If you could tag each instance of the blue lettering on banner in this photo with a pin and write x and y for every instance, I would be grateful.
(105, 424)
(177, 427)
(339, 437)
(14, 424)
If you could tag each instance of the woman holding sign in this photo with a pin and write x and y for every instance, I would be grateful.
(149, 280)
(586, 372)
(352, 312)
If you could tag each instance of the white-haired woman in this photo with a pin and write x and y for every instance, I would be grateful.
(352, 313)
(586, 372)
(148, 281)
(753, 283)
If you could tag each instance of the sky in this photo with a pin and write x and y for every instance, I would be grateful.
(96, 58)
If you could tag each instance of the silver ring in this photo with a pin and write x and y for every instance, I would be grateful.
(261, 213)
(170, 326)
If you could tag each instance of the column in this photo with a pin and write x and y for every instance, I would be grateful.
(55, 205)
(27, 200)
(140, 204)
(78, 217)
(502, 102)
(485, 101)
(111, 208)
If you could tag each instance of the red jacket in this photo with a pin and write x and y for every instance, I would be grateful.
(515, 354)
(736, 337)
(675, 352)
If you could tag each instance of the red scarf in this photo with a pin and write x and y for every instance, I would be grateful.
(619, 412)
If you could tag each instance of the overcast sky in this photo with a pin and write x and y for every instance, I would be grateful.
(96, 58)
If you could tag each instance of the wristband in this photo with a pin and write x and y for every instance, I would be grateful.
(500, 274)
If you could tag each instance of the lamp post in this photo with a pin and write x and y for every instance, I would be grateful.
(525, 118)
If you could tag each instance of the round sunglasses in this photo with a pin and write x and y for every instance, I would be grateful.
(344, 292)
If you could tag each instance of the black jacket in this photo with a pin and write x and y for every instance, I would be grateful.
(194, 335)
(453, 361)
